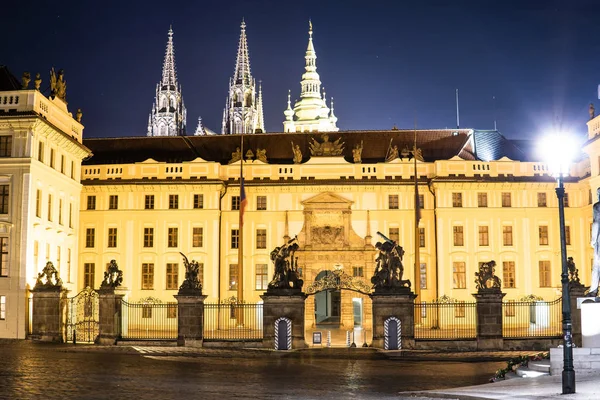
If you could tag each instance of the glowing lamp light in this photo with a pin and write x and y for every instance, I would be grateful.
(559, 150)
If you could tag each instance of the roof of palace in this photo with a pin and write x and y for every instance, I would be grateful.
(8, 81)
(440, 144)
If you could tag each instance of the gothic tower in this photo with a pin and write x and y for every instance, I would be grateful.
(242, 103)
(168, 111)
(310, 113)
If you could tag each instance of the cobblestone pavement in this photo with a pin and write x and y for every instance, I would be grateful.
(39, 371)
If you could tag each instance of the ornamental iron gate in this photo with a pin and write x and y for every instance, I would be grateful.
(82, 313)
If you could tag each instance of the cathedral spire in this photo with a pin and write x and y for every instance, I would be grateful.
(241, 74)
(260, 119)
(169, 77)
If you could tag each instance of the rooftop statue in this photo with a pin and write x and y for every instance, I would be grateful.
(297, 153)
(25, 80)
(261, 155)
(326, 148)
(38, 81)
(357, 153)
(58, 86)
(392, 154)
(236, 155)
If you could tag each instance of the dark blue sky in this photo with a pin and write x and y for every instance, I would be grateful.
(383, 61)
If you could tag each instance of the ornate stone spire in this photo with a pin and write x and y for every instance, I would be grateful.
(311, 113)
(260, 119)
(241, 113)
(168, 114)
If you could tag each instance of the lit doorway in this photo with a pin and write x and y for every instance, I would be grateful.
(328, 305)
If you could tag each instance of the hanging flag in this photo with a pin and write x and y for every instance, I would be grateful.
(243, 202)
(417, 203)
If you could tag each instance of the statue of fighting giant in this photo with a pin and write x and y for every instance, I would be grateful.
(593, 290)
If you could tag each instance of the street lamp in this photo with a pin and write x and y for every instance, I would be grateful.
(559, 151)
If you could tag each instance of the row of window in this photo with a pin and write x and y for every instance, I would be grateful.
(52, 160)
(57, 260)
(508, 274)
(50, 214)
(198, 202)
(482, 199)
(507, 235)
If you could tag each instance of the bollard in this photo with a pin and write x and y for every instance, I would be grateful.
(353, 341)
(365, 338)
(347, 338)
(328, 338)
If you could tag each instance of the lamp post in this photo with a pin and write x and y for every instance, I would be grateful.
(559, 150)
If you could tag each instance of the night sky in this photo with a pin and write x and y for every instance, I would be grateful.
(384, 62)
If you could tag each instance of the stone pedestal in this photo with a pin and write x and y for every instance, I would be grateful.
(576, 291)
(109, 316)
(397, 303)
(286, 303)
(590, 323)
(190, 320)
(46, 318)
(489, 319)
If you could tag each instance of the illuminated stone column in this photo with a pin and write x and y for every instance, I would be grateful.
(109, 316)
(576, 291)
(489, 319)
(190, 320)
(286, 303)
(46, 317)
(396, 303)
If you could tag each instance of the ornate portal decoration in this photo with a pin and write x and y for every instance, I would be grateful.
(531, 298)
(326, 148)
(328, 234)
(191, 284)
(337, 280)
(113, 277)
(48, 278)
(486, 278)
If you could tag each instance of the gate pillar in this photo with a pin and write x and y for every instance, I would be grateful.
(489, 319)
(286, 303)
(47, 314)
(190, 319)
(109, 315)
(397, 304)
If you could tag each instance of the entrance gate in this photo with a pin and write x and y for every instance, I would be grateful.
(82, 315)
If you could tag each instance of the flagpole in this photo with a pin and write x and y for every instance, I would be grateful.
(417, 217)
(240, 287)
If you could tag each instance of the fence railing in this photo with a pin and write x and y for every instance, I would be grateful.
(522, 319)
(446, 321)
(154, 321)
(233, 321)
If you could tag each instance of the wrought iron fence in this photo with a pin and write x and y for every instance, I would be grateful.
(534, 318)
(149, 320)
(446, 319)
(233, 321)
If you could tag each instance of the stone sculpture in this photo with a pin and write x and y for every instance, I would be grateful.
(486, 279)
(326, 148)
(593, 290)
(592, 111)
(191, 284)
(25, 79)
(38, 81)
(58, 86)
(286, 275)
(48, 278)
(392, 154)
(297, 153)
(236, 155)
(389, 268)
(357, 153)
(261, 155)
(573, 272)
(78, 115)
(113, 277)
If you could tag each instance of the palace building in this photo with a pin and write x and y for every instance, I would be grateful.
(144, 200)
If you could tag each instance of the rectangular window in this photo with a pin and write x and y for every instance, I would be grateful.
(171, 309)
(457, 200)
(91, 202)
(459, 275)
(458, 236)
(507, 235)
(148, 237)
(49, 207)
(89, 271)
(482, 200)
(172, 276)
(149, 202)
(508, 274)
(393, 202)
(3, 256)
(541, 199)
(173, 201)
(261, 203)
(506, 199)
(198, 201)
(90, 237)
(2, 307)
(543, 235)
(484, 239)
(112, 237)
(358, 271)
(421, 237)
(566, 200)
(421, 201)
(201, 273)
(60, 207)
(41, 152)
(173, 235)
(70, 215)
(147, 276)
(545, 274)
(235, 202)
(4, 199)
(62, 164)
(198, 237)
(47, 252)
(509, 308)
(423, 275)
(113, 202)
(233, 276)
(459, 309)
(261, 238)
(146, 311)
(36, 249)
(235, 238)
(72, 169)
(38, 203)
(69, 265)
(394, 234)
(5, 146)
(58, 258)
(52, 156)
(568, 235)
(261, 276)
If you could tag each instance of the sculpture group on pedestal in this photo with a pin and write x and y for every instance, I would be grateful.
(48, 278)
(486, 278)
(286, 275)
(113, 277)
(191, 284)
(389, 269)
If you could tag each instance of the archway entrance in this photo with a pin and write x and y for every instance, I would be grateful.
(328, 305)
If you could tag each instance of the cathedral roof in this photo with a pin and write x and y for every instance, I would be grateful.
(441, 144)
(8, 81)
